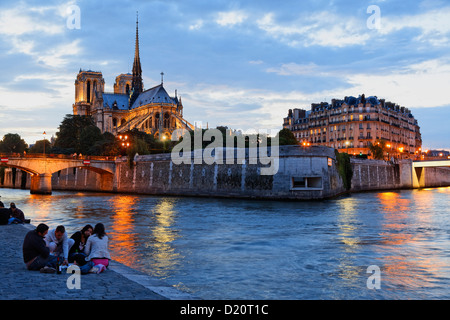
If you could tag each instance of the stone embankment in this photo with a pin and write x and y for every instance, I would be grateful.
(118, 282)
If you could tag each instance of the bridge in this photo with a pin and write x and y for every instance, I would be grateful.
(419, 167)
(41, 167)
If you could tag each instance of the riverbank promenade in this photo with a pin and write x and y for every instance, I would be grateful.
(118, 282)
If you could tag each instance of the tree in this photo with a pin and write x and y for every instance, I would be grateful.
(108, 145)
(40, 146)
(76, 134)
(89, 137)
(286, 137)
(378, 149)
(344, 168)
(12, 143)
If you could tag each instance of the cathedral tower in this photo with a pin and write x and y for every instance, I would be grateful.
(123, 84)
(87, 84)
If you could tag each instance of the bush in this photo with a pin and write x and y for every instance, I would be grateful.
(344, 168)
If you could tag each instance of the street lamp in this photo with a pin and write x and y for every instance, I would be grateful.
(347, 143)
(400, 152)
(124, 141)
(44, 142)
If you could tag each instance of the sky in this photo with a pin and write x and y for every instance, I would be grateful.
(241, 64)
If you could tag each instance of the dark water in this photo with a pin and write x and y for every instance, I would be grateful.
(238, 249)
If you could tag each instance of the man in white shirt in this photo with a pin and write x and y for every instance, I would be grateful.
(59, 243)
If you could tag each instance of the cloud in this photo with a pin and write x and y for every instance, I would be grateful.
(38, 32)
(231, 18)
(321, 28)
(58, 56)
(198, 24)
(419, 85)
(288, 69)
(433, 25)
(23, 20)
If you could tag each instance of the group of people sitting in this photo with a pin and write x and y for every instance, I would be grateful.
(11, 215)
(45, 249)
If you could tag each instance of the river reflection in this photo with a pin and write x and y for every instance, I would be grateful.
(164, 233)
(238, 249)
(122, 234)
(411, 257)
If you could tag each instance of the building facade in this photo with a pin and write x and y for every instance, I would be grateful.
(351, 125)
(129, 107)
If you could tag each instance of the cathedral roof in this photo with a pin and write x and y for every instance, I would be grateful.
(153, 95)
(115, 100)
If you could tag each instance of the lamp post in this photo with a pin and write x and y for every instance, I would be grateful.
(347, 143)
(400, 150)
(44, 142)
(124, 142)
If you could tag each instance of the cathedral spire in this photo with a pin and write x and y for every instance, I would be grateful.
(137, 85)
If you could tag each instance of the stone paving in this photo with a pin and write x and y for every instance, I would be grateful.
(118, 282)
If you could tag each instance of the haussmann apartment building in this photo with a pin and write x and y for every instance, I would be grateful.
(352, 124)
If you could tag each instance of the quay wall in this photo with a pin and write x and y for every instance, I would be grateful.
(437, 177)
(303, 174)
(370, 175)
(157, 174)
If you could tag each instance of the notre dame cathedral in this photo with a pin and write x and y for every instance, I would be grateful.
(130, 106)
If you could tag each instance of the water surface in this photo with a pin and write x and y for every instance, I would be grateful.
(246, 249)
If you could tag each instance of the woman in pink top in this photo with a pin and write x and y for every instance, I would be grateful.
(96, 248)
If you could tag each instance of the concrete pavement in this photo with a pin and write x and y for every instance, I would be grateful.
(118, 282)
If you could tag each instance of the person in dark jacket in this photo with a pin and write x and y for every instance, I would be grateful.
(80, 238)
(17, 215)
(36, 254)
(5, 214)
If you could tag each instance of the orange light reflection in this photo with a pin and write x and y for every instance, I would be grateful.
(407, 262)
(123, 239)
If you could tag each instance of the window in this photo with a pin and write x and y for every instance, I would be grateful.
(298, 182)
(166, 120)
(302, 183)
(88, 91)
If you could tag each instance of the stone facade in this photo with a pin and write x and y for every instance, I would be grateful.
(352, 124)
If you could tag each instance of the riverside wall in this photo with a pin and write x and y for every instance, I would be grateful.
(303, 174)
(370, 175)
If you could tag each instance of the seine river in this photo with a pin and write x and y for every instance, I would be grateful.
(239, 249)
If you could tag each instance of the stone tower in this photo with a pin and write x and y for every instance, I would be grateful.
(87, 84)
(123, 84)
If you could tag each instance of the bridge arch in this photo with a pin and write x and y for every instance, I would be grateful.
(27, 170)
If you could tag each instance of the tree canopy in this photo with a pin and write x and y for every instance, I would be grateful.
(12, 143)
(287, 137)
